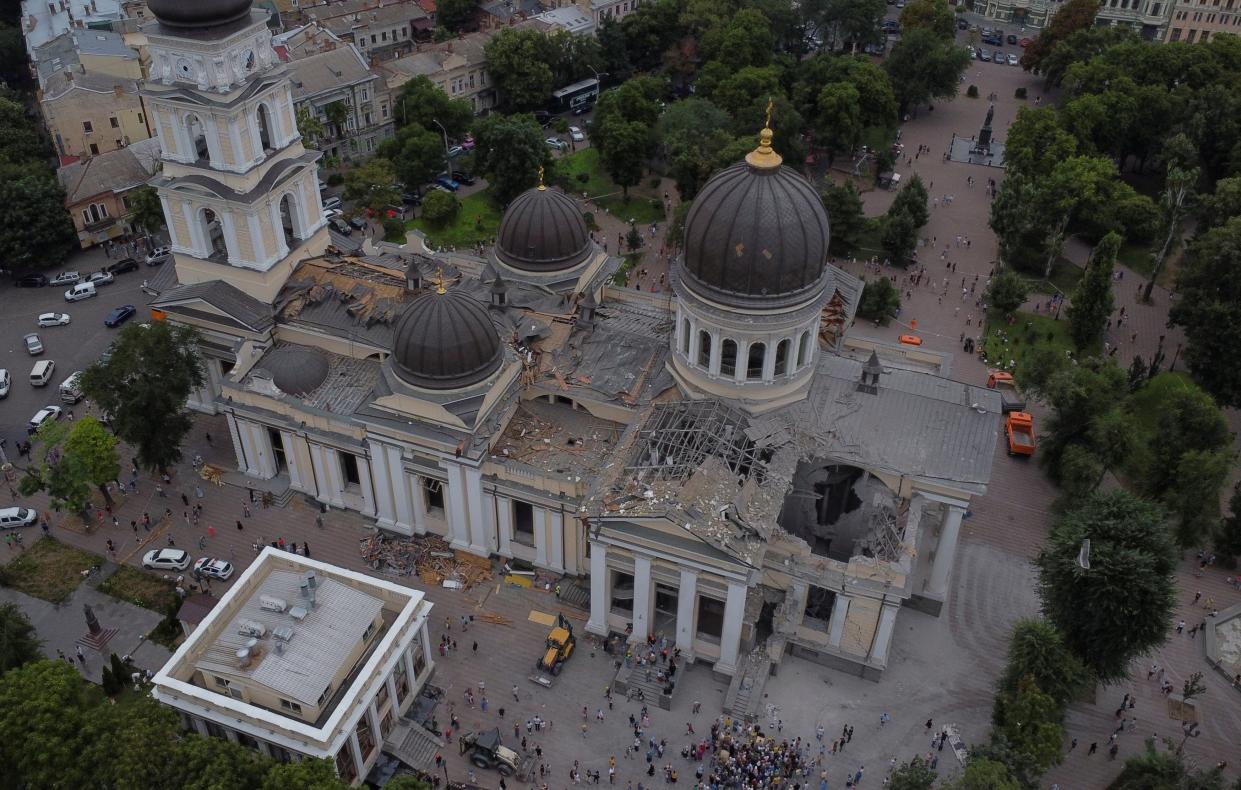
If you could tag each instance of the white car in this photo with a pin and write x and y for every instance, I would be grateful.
(13, 517)
(159, 255)
(576, 134)
(53, 319)
(332, 213)
(102, 278)
(6, 381)
(66, 278)
(166, 559)
(1013, 60)
(557, 143)
(216, 569)
(43, 415)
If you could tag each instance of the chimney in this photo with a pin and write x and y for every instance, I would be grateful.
(499, 291)
(871, 371)
(587, 305)
(413, 276)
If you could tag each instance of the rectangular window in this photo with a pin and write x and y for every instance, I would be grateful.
(141, 119)
(369, 632)
(365, 95)
(327, 692)
(114, 123)
(523, 522)
(373, 41)
(291, 706)
(349, 463)
(434, 491)
(710, 618)
(86, 127)
(94, 149)
(384, 35)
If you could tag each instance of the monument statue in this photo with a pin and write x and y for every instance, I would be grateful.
(984, 135)
(92, 622)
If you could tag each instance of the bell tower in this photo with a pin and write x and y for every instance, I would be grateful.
(240, 193)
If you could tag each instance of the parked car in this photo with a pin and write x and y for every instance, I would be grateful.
(447, 183)
(1025, 42)
(34, 346)
(962, 24)
(358, 222)
(31, 281)
(216, 569)
(557, 143)
(468, 143)
(984, 54)
(122, 266)
(332, 213)
(159, 255)
(1001, 59)
(67, 278)
(462, 177)
(102, 278)
(411, 199)
(80, 291)
(1013, 60)
(119, 315)
(455, 151)
(166, 559)
(575, 134)
(43, 415)
(13, 517)
(1011, 38)
(107, 353)
(6, 381)
(53, 319)
(331, 203)
(340, 226)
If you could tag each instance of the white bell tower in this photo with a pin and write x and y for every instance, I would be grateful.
(240, 193)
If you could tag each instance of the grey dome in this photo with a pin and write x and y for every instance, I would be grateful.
(445, 341)
(755, 235)
(198, 13)
(543, 231)
(296, 370)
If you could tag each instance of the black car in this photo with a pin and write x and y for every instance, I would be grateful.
(31, 281)
(122, 266)
(119, 315)
(463, 178)
(341, 227)
(1012, 39)
(962, 24)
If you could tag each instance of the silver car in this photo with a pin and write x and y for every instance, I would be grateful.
(53, 319)
(34, 346)
(166, 559)
(66, 278)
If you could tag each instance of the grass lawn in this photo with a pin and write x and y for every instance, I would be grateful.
(1005, 345)
(602, 191)
(140, 588)
(477, 221)
(1065, 276)
(49, 569)
(1141, 260)
(868, 241)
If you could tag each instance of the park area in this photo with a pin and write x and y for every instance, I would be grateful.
(476, 221)
(1006, 343)
(140, 588)
(582, 173)
(49, 569)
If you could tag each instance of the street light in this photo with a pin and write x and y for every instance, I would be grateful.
(447, 166)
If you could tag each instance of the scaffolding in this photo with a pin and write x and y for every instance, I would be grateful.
(679, 436)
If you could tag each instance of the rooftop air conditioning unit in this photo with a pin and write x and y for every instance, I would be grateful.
(282, 634)
(298, 613)
(271, 603)
(252, 628)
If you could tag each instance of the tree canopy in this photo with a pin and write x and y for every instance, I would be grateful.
(1209, 284)
(509, 151)
(924, 66)
(146, 411)
(19, 642)
(1106, 618)
(1091, 304)
(420, 103)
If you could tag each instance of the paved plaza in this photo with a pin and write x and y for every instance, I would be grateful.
(941, 669)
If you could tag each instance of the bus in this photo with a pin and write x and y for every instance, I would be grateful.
(579, 94)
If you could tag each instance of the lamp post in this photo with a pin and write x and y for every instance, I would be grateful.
(447, 165)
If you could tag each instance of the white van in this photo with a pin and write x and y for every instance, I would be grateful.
(12, 517)
(41, 373)
(70, 392)
(79, 292)
(5, 382)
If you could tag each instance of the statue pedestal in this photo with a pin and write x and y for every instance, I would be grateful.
(97, 641)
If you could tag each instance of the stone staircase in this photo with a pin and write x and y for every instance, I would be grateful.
(414, 745)
(744, 699)
(574, 593)
(631, 680)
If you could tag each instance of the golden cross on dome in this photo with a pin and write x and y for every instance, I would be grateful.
(541, 185)
(770, 106)
(439, 281)
(763, 157)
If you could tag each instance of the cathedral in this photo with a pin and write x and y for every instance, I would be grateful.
(723, 464)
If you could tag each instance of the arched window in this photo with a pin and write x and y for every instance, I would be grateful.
(685, 336)
(803, 348)
(704, 349)
(728, 358)
(198, 137)
(290, 221)
(754, 366)
(265, 128)
(782, 357)
(213, 230)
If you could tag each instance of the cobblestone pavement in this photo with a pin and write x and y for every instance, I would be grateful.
(942, 668)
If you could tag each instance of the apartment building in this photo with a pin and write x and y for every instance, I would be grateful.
(1196, 21)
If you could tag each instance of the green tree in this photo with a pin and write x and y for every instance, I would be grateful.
(1091, 303)
(1228, 541)
(1085, 400)
(649, 32)
(844, 206)
(1037, 651)
(148, 412)
(1106, 618)
(1036, 143)
(913, 775)
(1032, 724)
(35, 230)
(982, 773)
(1194, 499)
(743, 39)
(934, 15)
(308, 125)
(417, 155)
(625, 154)
(44, 727)
(440, 208)
(509, 151)
(420, 103)
(912, 200)
(1209, 284)
(72, 457)
(407, 783)
(1007, 292)
(1175, 200)
(843, 23)
(1221, 205)
(637, 101)
(1070, 17)
(373, 185)
(1158, 770)
(1189, 421)
(613, 50)
(213, 764)
(518, 60)
(898, 237)
(1075, 186)
(306, 774)
(19, 642)
(839, 122)
(692, 134)
(455, 14)
(924, 66)
(146, 212)
(880, 300)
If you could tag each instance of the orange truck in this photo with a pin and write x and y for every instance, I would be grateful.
(1020, 428)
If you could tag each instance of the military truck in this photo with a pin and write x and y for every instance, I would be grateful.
(560, 644)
